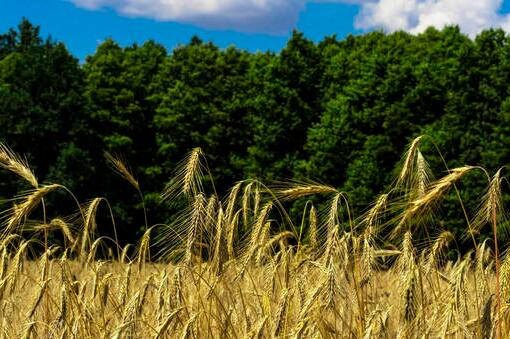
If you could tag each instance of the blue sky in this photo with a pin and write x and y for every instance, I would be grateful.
(249, 24)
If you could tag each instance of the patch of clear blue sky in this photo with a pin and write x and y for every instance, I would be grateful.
(82, 30)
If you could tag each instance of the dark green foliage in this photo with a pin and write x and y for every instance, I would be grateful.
(41, 98)
(340, 112)
(201, 98)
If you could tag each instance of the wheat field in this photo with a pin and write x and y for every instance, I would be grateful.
(240, 266)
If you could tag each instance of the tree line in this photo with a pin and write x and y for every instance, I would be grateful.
(340, 111)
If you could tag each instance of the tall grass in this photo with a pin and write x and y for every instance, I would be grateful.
(241, 267)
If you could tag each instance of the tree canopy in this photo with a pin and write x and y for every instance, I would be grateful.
(340, 111)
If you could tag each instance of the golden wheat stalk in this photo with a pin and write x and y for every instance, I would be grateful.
(505, 279)
(188, 332)
(194, 226)
(210, 213)
(246, 202)
(421, 204)
(492, 212)
(367, 257)
(441, 242)
(281, 313)
(375, 212)
(90, 225)
(164, 326)
(14, 163)
(38, 298)
(408, 166)
(64, 227)
(423, 175)
(122, 169)
(143, 251)
(257, 231)
(23, 209)
(486, 323)
(492, 203)
(409, 293)
(298, 190)
(313, 233)
(231, 201)
(218, 245)
(187, 180)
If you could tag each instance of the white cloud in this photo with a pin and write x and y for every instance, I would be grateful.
(415, 16)
(270, 16)
(278, 16)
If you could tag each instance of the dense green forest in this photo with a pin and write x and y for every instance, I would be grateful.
(341, 112)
